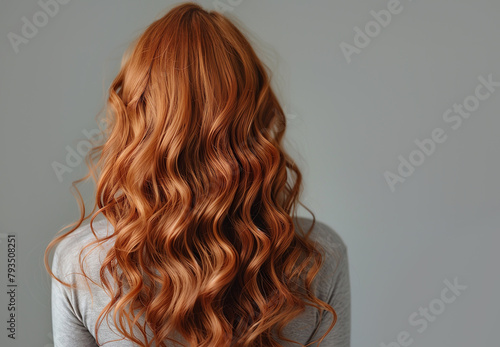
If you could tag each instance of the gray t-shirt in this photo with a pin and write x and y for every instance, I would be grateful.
(75, 311)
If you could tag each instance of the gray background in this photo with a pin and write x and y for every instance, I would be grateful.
(348, 123)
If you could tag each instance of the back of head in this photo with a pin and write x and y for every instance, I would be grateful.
(194, 179)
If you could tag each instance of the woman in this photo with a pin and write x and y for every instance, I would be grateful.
(198, 243)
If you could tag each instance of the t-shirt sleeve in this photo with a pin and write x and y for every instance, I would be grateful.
(67, 328)
(339, 297)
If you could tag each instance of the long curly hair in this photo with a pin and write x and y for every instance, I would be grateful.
(192, 175)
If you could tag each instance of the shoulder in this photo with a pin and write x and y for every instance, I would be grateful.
(71, 250)
(333, 277)
(324, 235)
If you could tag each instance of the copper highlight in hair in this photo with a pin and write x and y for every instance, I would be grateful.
(193, 177)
